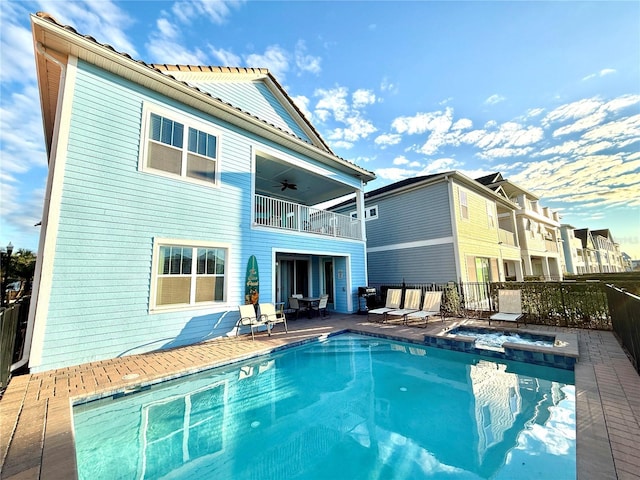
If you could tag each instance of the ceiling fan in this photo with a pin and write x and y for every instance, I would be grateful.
(285, 184)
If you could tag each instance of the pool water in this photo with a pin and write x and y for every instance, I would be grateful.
(350, 407)
(494, 339)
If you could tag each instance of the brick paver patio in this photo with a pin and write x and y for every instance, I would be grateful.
(36, 440)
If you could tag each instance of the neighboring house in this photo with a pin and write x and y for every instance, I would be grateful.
(589, 253)
(538, 229)
(573, 251)
(607, 251)
(163, 182)
(438, 228)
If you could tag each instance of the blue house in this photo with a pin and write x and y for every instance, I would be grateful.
(164, 181)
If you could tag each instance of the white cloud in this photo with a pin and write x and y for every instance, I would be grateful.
(362, 97)
(387, 139)
(493, 99)
(217, 12)
(393, 174)
(16, 45)
(304, 61)
(226, 58)
(439, 165)
(601, 73)
(401, 160)
(573, 110)
(333, 105)
(388, 86)
(302, 103)
(275, 58)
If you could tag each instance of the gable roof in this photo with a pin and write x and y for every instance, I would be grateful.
(54, 43)
(425, 180)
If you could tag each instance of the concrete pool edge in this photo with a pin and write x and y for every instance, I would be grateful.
(38, 416)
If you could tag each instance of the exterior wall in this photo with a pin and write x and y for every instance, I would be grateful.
(111, 213)
(411, 239)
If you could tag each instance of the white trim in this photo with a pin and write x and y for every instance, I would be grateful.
(416, 244)
(223, 305)
(454, 227)
(188, 121)
(43, 279)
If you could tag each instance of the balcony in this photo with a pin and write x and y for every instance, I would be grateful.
(506, 237)
(284, 215)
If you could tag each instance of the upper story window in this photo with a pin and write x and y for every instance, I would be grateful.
(187, 275)
(464, 205)
(491, 217)
(370, 213)
(180, 146)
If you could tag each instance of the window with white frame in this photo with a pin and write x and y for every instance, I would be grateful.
(491, 218)
(187, 275)
(180, 146)
(464, 205)
(370, 213)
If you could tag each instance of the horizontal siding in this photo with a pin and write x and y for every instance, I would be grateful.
(416, 215)
(256, 98)
(413, 265)
(110, 212)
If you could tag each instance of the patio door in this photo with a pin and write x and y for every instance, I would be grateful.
(327, 279)
(293, 278)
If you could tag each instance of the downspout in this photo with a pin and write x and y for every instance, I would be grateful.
(28, 337)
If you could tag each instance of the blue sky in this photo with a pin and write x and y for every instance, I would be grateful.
(548, 93)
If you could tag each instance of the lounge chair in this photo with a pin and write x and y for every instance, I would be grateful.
(394, 297)
(248, 317)
(431, 307)
(411, 305)
(270, 316)
(509, 307)
(321, 307)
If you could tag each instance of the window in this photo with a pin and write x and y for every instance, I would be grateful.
(180, 147)
(370, 213)
(491, 218)
(464, 206)
(188, 275)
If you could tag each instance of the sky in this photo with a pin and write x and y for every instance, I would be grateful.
(545, 92)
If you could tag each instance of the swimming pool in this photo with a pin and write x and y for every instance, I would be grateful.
(351, 406)
(494, 339)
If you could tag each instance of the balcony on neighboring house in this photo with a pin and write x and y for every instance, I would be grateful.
(288, 216)
(506, 237)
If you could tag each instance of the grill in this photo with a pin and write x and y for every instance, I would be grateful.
(366, 295)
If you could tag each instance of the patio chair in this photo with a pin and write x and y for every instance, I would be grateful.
(295, 306)
(248, 317)
(270, 316)
(394, 297)
(509, 307)
(321, 307)
(411, 305)
(431, 307)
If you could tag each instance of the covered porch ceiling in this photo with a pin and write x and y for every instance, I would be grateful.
(311, 186)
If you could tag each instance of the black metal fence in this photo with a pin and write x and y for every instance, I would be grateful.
(13, 322)
(565, 304)
(625, 317)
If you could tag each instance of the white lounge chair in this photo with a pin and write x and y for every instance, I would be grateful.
(509, 307)
(431, 307)
(248, 317)
(270, 316)
(394, 297)
(411, 305)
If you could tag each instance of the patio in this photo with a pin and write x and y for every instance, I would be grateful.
(36, 439)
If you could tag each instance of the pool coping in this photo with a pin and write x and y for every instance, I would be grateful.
(36, 437)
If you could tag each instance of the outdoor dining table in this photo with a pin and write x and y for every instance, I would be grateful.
(309, 302)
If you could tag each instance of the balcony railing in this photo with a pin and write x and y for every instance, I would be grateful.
(283, 215)
(507, 237)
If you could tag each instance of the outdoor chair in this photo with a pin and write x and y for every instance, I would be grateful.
(411, 305)
(431, 306)
(248, 317)
(509, 307)
(394, 297)
(295, 306)
(321, 307)
(270, 316)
